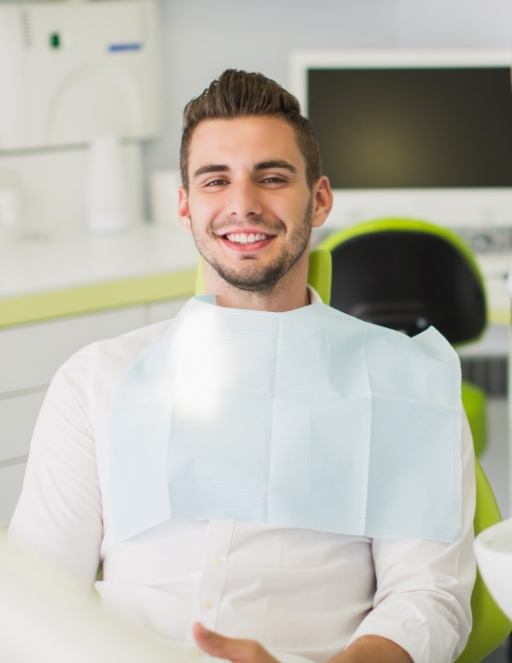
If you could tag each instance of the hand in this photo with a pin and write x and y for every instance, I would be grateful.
(232, 649)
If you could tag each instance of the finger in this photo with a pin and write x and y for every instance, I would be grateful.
(221, 647)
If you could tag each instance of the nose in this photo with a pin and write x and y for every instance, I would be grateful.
(244, 201)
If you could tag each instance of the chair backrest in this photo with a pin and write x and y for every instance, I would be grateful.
(408, 274)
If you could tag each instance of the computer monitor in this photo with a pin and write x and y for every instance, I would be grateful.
(425, 134)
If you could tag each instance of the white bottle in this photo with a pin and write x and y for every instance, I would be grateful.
(107, 202)
(164, 197)
(9, 200)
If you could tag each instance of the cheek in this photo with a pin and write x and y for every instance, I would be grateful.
(291, 207)
(205, 209)
(294, 215)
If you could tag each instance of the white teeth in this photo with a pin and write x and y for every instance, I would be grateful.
(246, 238)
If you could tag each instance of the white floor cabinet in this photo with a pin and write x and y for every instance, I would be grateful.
(29, 356)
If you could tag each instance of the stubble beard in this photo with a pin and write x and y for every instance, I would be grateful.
(261, 278)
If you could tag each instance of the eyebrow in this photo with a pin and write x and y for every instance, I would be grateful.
(211, 168)
(275, 163)
(262, 165)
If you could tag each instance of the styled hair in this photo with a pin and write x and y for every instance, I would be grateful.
(241, 94)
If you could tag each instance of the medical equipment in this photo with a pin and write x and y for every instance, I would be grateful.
(72, 70)
(412, 132)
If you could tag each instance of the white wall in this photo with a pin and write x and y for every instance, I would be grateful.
(203, 37)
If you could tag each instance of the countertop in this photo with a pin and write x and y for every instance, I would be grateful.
(72, 272)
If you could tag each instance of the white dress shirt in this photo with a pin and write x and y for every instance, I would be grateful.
(303, 594)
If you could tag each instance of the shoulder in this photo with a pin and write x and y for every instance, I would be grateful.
(111, 357)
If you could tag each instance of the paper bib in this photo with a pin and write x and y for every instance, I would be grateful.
(308, 418)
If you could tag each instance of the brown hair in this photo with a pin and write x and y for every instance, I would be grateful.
(240, 94)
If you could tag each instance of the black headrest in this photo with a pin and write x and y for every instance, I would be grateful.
(408, 280)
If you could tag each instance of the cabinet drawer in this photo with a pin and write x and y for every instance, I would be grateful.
(17, 418)
(30, 354)
(11, 480)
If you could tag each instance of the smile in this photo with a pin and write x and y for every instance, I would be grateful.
(243, 242)
(246, 238)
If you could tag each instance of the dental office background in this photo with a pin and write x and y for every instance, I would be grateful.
(56, 277)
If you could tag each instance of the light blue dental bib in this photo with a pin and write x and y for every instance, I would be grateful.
(308, 418)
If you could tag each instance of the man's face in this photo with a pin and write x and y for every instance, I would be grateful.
(249, 206)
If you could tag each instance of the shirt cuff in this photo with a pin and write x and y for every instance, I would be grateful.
(424, 636)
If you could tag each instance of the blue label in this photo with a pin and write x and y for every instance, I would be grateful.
(116, 48)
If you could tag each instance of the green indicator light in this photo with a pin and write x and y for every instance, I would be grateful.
(55, 40)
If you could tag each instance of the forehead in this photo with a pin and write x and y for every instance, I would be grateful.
(244, 141)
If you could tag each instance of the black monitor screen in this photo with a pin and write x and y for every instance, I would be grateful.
(413, 128)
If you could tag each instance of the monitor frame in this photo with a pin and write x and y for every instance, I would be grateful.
(490, 206)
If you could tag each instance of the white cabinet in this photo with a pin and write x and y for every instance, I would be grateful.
(29, 356)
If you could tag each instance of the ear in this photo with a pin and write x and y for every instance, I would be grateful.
(184, 210)
(322, 201)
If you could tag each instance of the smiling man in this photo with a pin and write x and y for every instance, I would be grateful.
(251, 203)
(263, 475)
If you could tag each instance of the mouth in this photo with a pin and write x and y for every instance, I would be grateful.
(246, 241)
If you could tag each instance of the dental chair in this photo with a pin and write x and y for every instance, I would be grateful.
(490, 626)
(408, 274)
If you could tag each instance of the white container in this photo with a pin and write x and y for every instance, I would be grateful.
(164, 196)
(107, 198)
(493, 551)
(9, 200)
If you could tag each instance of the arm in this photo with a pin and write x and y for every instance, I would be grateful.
(422, 601)
(59, 512)
(372, 648)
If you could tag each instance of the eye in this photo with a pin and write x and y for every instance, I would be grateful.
(218, 181)
(273, 179)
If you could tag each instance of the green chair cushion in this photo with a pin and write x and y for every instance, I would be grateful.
(475, 405)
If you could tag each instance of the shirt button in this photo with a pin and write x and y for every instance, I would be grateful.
(194, 652)
(217, 562)
(206, 604)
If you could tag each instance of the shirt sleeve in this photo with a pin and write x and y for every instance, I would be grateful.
(423, 595)
(59, 512)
